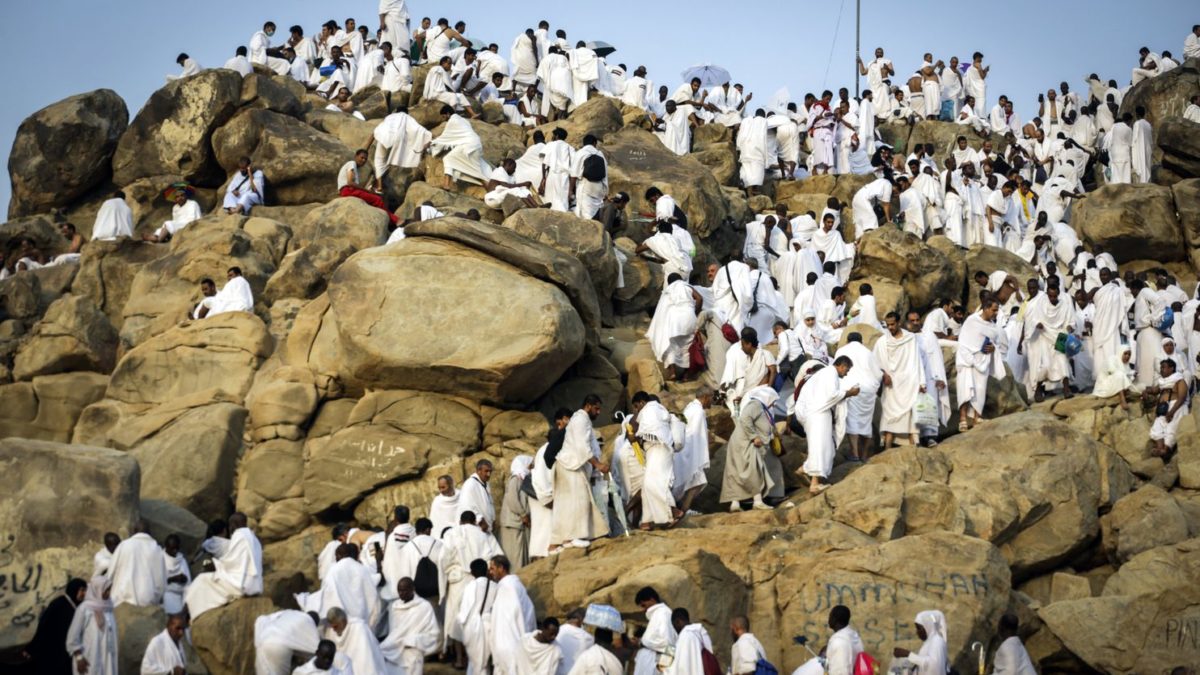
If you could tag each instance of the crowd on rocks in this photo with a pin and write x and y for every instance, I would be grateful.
(795, 357)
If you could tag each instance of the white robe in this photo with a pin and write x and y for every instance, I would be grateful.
(689, 646)
(359, 645)
(745, 654)
(443, 512)
(691, 464)
(821, 409)
(464, 152)
(1012, 659)
(654, 431)
(575, 513)
(279, 635)
(585, 69)
(98, 643)
(1046, 364)
(512, 619)
(349, 586)
(181, 217)
(666, 247)
(464, 543)
(659, 635)
(535, 657)
(474, 614)
(475, 497)
(572, 641)
(673, 325)
(163, 655)
(399, 141)
(935, 371)
(677, 131)
(238, 573)
(1142, 149)
(173, 595)
(113, 220)
(973, 365)
(413, 634)
(401, 560)
(235, 296)
(842, 651)
(752, 150)
(901, 358)
(244, 191)
(556, 158)
(138, 572)
(597, 661)
(867, 375)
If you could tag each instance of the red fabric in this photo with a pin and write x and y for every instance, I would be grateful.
(370, 198)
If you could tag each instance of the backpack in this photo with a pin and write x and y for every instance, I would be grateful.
(864, 664)
(425, 581)
(594, 168)
(764, 667)
(711, 665)
(1166, 321)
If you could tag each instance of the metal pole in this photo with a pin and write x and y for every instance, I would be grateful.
(857, 42)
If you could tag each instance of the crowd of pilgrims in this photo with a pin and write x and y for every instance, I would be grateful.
(769, 332)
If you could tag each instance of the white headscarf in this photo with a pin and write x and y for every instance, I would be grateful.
(520, 466)
(764, 394)
(95, 600)
(934, 622)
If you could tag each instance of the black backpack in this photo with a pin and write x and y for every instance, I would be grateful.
(425, 581)
(594, 168)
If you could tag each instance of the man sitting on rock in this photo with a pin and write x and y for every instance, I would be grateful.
(355, 180)
(185, 212)
(1171, 405)
(113, 220)
(71, 255)
(238, 572)
(441, 85)
(236, 296)
(327, 660)
(342, 103)
(503, 183)
(245, 190)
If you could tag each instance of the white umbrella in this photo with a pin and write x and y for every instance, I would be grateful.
(710, 75)
(779, 102)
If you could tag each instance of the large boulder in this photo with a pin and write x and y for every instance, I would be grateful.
(224, 637)
(927, 274)
(222, 352)
(172, 134)
(412, 333)
(96, 486)
(164, 290)
(276, 93)
(107, 270)
(64, 150)
(354, 133)
(305, 273)
(600, 116)
(48, 407)
(389, 436)
(1132, 222)
(786, 578)
(1164, 96)
(346, 219)
(299, 163)
(73, 335)
(530, 257)
(136, 627)
(637, 160)
(583, 239)
(1187, 206)
(1140, 521)
(1179, 142)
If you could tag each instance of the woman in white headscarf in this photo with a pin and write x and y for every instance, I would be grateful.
(514, 514)
(1169, 350)
(1114, 377)
(932, 658)
(811, 338)
(92, 638)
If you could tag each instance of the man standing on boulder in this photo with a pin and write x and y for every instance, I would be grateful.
(976, 359)
(577, 520)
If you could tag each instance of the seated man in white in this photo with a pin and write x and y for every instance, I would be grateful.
(113, 220)
(185, 212)
(245, 190)
(238, 573)
(236, 296)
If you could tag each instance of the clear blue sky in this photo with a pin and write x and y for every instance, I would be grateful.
(64, 47)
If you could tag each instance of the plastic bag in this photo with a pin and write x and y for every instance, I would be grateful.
(925, 411)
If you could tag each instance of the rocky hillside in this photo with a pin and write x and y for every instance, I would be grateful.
(367, 370)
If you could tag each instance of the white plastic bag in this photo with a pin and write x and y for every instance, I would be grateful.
(925, 411)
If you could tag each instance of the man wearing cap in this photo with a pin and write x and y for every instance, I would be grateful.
(185, 211)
